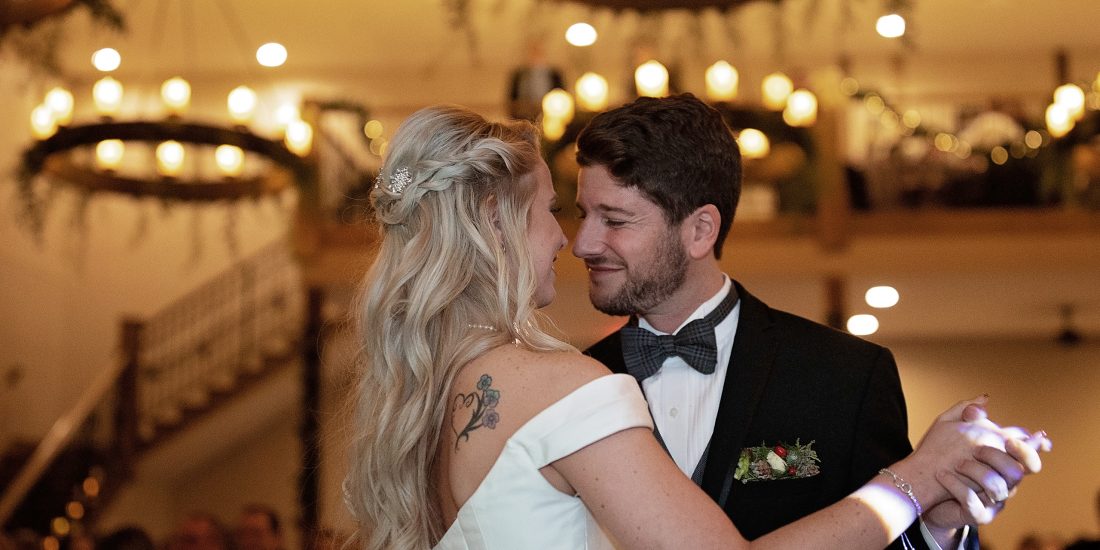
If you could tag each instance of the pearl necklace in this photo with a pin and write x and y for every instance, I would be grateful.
(489, 328)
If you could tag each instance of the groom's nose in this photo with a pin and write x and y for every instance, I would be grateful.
(587, 243)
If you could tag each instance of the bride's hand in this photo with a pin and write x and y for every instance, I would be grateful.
(982, 484)
(955, 436)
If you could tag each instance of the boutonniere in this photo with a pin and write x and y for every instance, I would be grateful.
(783, 461)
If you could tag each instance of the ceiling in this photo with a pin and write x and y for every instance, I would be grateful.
(961, 40)
(398, 55)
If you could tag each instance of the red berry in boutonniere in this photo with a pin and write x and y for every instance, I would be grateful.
(781, 451)
(792, 471)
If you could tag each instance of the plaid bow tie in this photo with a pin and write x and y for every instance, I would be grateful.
(644, 351)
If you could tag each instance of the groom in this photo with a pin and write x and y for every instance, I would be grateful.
(658, 186)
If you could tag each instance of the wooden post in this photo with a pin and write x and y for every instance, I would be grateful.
(834, 302)
(126, 409)
(833, 204)
(309, 480)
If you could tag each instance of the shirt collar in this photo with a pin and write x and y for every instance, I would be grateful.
(700, 311)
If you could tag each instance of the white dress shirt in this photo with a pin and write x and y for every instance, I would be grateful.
(684, 401)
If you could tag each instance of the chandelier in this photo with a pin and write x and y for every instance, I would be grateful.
(650, 5)
(147, 146)
(792, 100)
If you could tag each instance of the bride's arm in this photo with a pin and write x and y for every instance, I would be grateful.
(646, 502)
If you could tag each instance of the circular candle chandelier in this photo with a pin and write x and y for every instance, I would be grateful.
(165, 153)
(66, 154)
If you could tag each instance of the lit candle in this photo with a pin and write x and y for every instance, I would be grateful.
(801, 108)
(721, 80)
(651, 79)
(299, 137)
(170, 155)
(230, 160)
(776, 88)
(242, 103)
(592, 92)
(108, 154)
(176, 93)
(60, 102)
(557, 103)
(107, 94)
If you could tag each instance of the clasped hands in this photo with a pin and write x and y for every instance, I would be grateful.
(977, 463)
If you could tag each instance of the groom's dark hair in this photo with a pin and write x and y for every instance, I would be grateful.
(676, 150)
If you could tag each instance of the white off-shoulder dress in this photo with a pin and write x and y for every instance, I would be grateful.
(515, 507)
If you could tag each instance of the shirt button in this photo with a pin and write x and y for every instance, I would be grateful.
(673, 412)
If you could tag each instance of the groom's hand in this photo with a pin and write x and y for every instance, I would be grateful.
(983, 484)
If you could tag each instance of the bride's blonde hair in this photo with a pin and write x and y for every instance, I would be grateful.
(452, 206)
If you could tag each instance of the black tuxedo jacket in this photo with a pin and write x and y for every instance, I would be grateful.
(792, 379)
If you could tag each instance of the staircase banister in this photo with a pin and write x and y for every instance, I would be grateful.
(58, 438)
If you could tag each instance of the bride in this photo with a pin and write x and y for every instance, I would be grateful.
(476, 429)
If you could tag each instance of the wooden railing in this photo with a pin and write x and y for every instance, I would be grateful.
(177, 365)
(61, 435)
(209, 343)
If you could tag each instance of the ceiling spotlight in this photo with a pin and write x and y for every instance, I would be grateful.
(881, 296)
(890, 26)
(862, 324)
(106, 59)
(272, 54)
(581, 34)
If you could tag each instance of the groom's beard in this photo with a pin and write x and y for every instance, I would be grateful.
(648, 283)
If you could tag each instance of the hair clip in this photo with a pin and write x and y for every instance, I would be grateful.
(398, 181)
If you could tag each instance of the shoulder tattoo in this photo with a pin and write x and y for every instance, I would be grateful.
(475, 410)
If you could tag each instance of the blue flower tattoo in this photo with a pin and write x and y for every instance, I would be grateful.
(483, 401)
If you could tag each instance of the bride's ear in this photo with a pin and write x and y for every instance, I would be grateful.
(494, 217)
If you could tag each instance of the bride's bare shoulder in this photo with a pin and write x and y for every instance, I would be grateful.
(495, 395)
(535, 379)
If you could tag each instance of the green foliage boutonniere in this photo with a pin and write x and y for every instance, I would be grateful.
(782, 461)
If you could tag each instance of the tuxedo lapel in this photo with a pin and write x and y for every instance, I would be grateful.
(754, 348)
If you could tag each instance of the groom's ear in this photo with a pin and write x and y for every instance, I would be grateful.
(700, 231)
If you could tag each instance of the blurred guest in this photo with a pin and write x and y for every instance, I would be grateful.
(1086, 543)
(126, 538)
(530, 82)
(329, 539)
(7, 542)
(79, 541)
(22, 539)
(1035, 541)
(258, 529)
(199, 531)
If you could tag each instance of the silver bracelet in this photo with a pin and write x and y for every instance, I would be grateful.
(905, 487)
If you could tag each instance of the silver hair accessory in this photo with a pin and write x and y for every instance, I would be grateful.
(398, 181)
